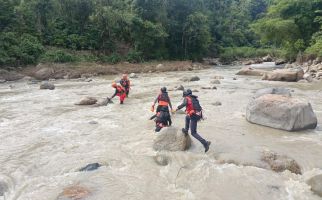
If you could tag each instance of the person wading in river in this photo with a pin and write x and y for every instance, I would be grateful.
(119, 91)
(162, 119)
(163, 100)
(194, 114)
(125, 82)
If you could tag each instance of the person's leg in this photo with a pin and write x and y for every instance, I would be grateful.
(122, 98)
(193, 127)
(187, 125)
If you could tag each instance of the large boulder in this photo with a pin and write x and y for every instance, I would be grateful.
(316, 184)
(281, 112)
(280, 62)
(280, 163)
(47, 86)
(288, 75)
(171, 139)
(43, 73)
(279, 91)
(87, 101)
(248, 71)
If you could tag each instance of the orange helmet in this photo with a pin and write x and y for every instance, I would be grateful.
(114, 85)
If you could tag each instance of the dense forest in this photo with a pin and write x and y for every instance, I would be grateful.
(33, 31)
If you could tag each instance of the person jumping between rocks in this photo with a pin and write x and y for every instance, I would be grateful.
(162, 119)
(119, 91)
(194, 114)
(126, 84)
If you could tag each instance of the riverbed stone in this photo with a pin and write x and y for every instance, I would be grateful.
(281, 112)
(171, 139)
(190, 79)
(90, 167)
(87, 101)
(280, 62)
(316, 184)
(273, 90)
(161, 159)
(280, 163)
(133, 75)
(288, 75)
(215, 81)
(47, 86)
(43, 73)
(249, 71)
(217, 103)
(267, 58)
(75, 192)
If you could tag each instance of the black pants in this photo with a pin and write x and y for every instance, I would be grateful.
(193, 122)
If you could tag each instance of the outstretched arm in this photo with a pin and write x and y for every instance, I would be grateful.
(184, 103)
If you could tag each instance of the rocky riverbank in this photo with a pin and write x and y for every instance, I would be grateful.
(87, 70)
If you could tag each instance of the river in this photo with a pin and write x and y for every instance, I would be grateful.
(45, 139)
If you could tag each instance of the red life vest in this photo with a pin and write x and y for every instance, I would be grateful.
(190, 108)
(163, 99)
(125, 83)
(120, 90)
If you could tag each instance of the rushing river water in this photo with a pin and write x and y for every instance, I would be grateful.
(45, 139)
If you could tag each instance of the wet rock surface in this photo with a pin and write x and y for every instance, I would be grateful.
(87, 101)
(90, 167)
(280, 163)
(281, 112)
(171, 139)
(190, 79)
(47, 86)
(316, 184)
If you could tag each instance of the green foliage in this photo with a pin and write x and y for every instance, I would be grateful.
(19, 50)
(154, 29)
(59, 56)
(134, 56)
(233, 53)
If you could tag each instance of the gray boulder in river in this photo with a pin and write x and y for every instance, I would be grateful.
(281, 112)
(87, 101)
(316, 184)
(47, 86)
(171, 139)
(288, 75)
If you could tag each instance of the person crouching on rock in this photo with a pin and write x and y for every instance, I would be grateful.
(125, 82)
(119, 91)
(194, 114)
(163, 100)
(162, 119)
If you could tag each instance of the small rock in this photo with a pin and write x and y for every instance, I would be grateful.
(280, 62)
(47, 86)
(87, 101)
(181, 88)
(190, 79)
(88, 80)
(133, 75)
(76, 192)
(161, 160)
(90, 167)
(206, 88)
(280, 163)
(316, 184)
(217, 103)
(214, 88)
(195, 90)
(93, 122)
(234, 78)
(218, 77)
(215, 81)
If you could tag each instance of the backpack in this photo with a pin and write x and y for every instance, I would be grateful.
(196, 104)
